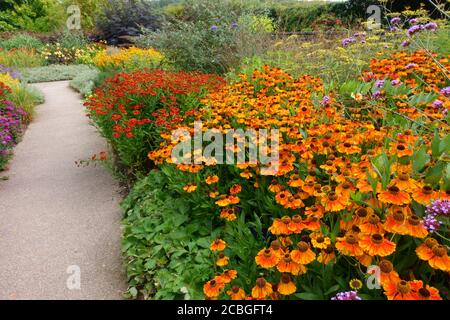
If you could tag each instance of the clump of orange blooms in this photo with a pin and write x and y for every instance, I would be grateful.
(335, 205)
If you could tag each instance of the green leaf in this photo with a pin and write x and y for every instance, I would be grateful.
(308, 296)
(435, 145)
(420, 159)
(332, 289)
(434, 174)
(444, 146)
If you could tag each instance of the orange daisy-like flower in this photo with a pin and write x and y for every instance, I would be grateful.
(349, 246)
(275, 187)
(262, 289)
(404, 182)
(312, 223)
(296, 225)
(415, 228)
(288, 266)
(319, 241)
(428, 293)
(228, 275)
(286, 286)
(212, 288)
(236, 293)
(327, 255)
(303, 254)
(401, 150)
(212, 179)
(315, 211)
(223, 201)
(295, 181)
(332, 202)
(236, 189)
(281, 226)
(222, 260)
(393, 195)
(266, 258)
(276, 248)
(424, 251)
(365, 260)
(191, 187)
(282, 197)
(387, 272)
(402, 290)
(218, 245)
(372, 225)
(348, 148)
(440, 259)
(228, 214)
(396, 222)
(424, 195)
(377, 245)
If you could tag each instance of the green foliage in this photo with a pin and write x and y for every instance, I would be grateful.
(165, 243)
(27, 97)
(36, 15)
(21, 58)
(54, 73)
(21, 41)
(84, 82)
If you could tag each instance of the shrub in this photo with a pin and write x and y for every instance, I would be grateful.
(21, 41)
(53, 73)
(131, 110)
(84, 82)
(121, 20)
(21, 58)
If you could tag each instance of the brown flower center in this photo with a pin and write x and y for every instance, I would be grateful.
(320, 239)
(414, 220)
(403, 287)
(302, 246)
(374, 219)
(439, 250)
(401, 147)
(267, 253)
(427, 190)
(351, 239)
(399, 216)
(286, 220)
(329, 249)
(361, 212)
(394, 189)
(356, 229)
(221, 255)
(424, 293)
(377, 238)
(386, 266)
(403, 176)
(347, 145)
(431, 242)
(346, 185)
(212, 283)
(332, 196)
(261, 282)
(285, 278)
(235, 289)
(296, 219)
(275, 245)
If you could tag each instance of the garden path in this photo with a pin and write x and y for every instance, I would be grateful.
(55, 216)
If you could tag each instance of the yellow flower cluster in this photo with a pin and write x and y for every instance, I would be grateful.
(128, 57)
(9, 81)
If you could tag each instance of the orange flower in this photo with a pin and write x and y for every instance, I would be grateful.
(424, 251)
(428, 293)
(235, 189)
(228, 214)
(223, 201)
(387, 273)
(319, 241)
(393, 195)
(334, 203)
(415, 228)
(401, 150)
(236, 293)
(312, 223)
(349, 246)
(287, 265)
(262, 289)
(372, 225)
(276, 248)
(212, 288)
(404, 182)
(303, 254)
(348, 148)
(327, 255)
(424, 195)
(266, 258)
(402, 290)
(191, 187)
(218, 245)
(222, 260)
(282, 197)
(281, 226)
(440, 260)
(286, 286)
(228, 275)
(295, 181)
(377, 245)
(212, 179)
(315, 210)
(396, 222)
(296, 225)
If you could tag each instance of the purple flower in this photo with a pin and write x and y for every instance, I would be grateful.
(326, 100)
(413, 21)
(431, 223)
(234, 25)
(438, 104)
(396, 20)
(413, 30)
(379, 83)
(395, 82)
(411, 66)
(439, 208)
(346, 295)
(393, 29)
(405, 43)
(431, 26)
(377, 94)
(446, 91)
(346, 42)
(214, 28)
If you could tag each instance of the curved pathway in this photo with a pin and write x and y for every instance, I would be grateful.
(59, 223)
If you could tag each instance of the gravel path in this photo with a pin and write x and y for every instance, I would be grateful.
(56, 218)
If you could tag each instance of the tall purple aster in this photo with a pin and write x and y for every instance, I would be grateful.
(379, 83)
(434, 210)
(432, 26)
(396, 20)
(446, 91)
